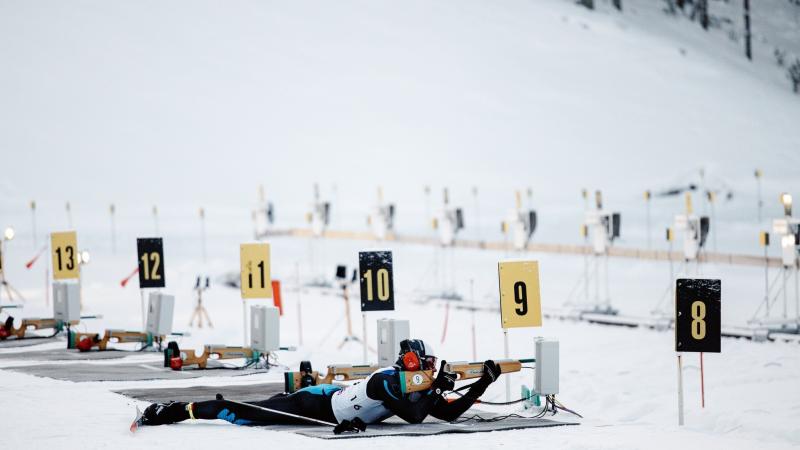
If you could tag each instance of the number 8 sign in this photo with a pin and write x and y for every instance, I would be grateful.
(520, 301)
(697, 315)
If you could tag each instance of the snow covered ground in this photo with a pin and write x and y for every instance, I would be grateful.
(192, 104)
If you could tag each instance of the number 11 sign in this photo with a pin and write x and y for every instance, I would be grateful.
(255, 277)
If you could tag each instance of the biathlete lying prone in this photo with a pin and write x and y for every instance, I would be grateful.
(369, 401)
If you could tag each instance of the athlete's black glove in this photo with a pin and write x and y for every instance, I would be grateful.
(490, 372)
(347, 426)
(444, 381)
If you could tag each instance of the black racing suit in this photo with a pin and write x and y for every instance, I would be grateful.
(315, 402)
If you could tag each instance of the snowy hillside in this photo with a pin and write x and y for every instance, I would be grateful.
(195, 104)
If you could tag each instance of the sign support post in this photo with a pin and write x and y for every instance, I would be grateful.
(697, 326)
(520, 300)
(255, 278)
(376, 284)
(364, 334)
(702, 384)
(505, 355)
(680, 391)
(150, 252)
(299, 307)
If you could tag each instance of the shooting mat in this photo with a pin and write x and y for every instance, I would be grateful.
(31, 341)
(86, 371)
(238, 392)
(66, 355)
(392, 427)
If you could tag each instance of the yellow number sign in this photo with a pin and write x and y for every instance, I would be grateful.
(255, 278)
(520, 301)
(64, 248)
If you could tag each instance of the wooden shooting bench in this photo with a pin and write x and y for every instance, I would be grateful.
(39, 324)
(189, 357)
(112, 336)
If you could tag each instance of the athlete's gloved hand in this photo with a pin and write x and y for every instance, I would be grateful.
(444, 381)
(347, 426)
(490, 372)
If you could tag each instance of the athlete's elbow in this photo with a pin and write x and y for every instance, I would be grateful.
(416, 418)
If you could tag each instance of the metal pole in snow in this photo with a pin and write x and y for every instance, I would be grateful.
(472, 303)
(680, 391)
(299, 307)
(364, 333)
(508, 379)
(702, 384)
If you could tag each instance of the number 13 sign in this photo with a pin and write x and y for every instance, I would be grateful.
(255, 277)
(697, 315)
(64, 247)
(520, 302)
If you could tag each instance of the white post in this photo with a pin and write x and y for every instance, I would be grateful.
(299, 307)
(141, 294)
(47, 285)
(33, 223)
(680, 391)
(244, 322)
(785, 299)
(472, 304)
(797, 292)
(608, 294)
(766, 280)
(364, 334)
(649, 232)
(508, 379)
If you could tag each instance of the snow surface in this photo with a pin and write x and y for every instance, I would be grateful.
(190, 104)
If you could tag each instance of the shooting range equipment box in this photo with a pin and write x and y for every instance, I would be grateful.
(265, 329)
(546, 382)
(159, 314)
(390, 333)
(66, 302)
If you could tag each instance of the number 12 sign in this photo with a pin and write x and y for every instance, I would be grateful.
(151, 262)
(520, 301)
(255, 276)
(697, 315)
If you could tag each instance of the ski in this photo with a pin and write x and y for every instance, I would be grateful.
(137, 421)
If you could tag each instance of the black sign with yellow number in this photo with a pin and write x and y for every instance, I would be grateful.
(151, 262)
(697, 315)
(376, 279)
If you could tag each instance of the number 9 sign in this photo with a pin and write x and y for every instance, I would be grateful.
(520, 301)
(64, 247)
(697, 315)
(255, 276)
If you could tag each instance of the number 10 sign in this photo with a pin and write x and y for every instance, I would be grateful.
(520, 302)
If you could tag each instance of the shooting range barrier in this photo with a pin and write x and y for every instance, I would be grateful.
(391, 427)
(653, 255)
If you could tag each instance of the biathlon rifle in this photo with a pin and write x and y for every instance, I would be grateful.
(409, 381)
